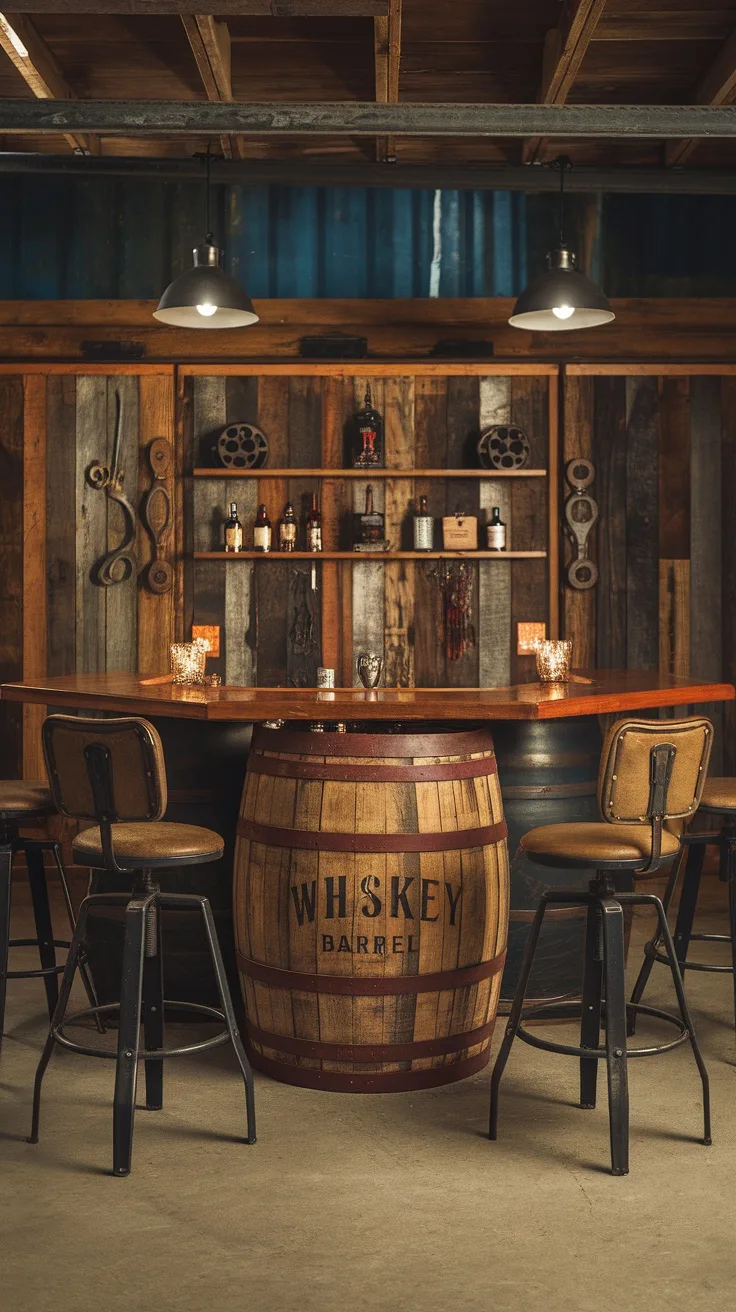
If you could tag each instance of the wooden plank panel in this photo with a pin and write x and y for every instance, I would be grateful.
(11, 569)
(34, 565)
(399, 494)
(121, 599)
(610, 462)
(368, 606)
(642, 523)
(243, 402)
(728, 578)
(156, 613)
(61, 412)
(529, 595)
(706, 534)
(463, 411)
(336, 581)
(674, 469)
(494, 580)
(209, 605)
(430, 443)
(209, 415)
(674, 617)
(91, 519)
(579, 607)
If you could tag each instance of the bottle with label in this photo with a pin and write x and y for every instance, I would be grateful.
(423, 528)
(287, 529)
(496, 531)
(233, 530)
(314, 527)
(262, 531)
(370, 523)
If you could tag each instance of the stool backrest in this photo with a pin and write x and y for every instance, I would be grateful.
(105, 770)
(654, 770)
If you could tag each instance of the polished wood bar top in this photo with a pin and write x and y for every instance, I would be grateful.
(587, 693)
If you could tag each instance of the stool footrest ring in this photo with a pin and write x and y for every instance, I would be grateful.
(46, 970)
(570, 1050)
(710, 968)
(144, 1054)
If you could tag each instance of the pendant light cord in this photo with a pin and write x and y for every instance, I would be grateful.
(208, 217)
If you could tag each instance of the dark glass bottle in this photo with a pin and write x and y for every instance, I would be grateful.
(496, 531)
(262, 531)
(287, 529)
(423, 527)
(233, 530)
(314, 527)
(371, 521)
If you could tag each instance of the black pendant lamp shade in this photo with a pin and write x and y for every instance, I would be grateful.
(561, 299)
(205, 296)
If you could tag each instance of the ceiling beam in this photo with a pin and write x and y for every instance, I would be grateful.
(387, 56)
(173, 118)
(37, 66)
(210, 42)
(225, 8)
(565, 47)
(717, 87)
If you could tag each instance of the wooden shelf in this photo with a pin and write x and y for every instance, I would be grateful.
(370, 473)
(361, 556)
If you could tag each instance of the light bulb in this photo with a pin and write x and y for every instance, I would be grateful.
(209, 309)
(559, 311)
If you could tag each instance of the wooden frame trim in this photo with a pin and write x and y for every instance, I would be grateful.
(82, 367)
(554, 528)
(634, 370)
(369, 369)
(35, 597)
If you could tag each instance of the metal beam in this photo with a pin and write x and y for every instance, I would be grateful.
(171, 118)
(327, 173)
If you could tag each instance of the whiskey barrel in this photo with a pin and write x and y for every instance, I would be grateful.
(371, 906)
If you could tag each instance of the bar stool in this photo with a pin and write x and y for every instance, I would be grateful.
(651, 777)
(113, 772)
(719, 798)
(24, 802)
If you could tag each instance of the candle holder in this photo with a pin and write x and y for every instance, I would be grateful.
(553, 659)
(188, 662)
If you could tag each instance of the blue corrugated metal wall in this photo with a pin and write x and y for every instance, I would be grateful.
(63, 237)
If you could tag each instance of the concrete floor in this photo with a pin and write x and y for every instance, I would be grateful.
(371, 1202)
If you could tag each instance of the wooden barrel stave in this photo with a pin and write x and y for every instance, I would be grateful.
(377, 1025)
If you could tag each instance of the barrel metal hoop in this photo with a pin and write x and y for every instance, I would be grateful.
(323, 841)
(367, 985)
(333, 771)
(370, 745)
(375, 1082)
(371, 1052)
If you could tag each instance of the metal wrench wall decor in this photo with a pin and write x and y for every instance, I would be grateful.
(581, 513)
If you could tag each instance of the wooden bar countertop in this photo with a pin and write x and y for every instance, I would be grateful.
(587, 693)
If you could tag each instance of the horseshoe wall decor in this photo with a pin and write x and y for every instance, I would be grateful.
(119, 564)
(581, 513)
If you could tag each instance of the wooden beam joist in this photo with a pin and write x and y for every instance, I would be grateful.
(387, 56)
(565, 47)
(210, 42)
(717, 87)
(37, 66)
(172, 118)
(225, 8)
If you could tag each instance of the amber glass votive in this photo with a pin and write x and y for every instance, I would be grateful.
(553, 659)
(188, 662)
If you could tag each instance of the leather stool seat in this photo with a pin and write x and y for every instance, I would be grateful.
(596, 844)
(148, 844)
(719, 795)
(21, 798)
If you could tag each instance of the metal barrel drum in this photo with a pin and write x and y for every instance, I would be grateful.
(548, 771)
(371, 906)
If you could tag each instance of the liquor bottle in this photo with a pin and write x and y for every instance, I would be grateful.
(370, 523)
(233, 530)
(314, 527)
(496, 531)
(287, 529)
(423, 528)
(262, 531)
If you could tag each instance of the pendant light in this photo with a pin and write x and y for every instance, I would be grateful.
(562, 298)
(205, 296)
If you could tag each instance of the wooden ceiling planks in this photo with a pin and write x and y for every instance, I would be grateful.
(30, 55)
(210, 42)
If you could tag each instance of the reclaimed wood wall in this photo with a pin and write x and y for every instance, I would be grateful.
(54, 422)
(432, 420)
(663, 440)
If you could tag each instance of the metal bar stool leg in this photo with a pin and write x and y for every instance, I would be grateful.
(42, 918)
(67, 979)
(126, 1073)
(83, 970)
(230, 1021)
(650, 948)
(731, 877)
(515, 1016)
(590, 1020)
(685, 1013)
(615, 1015)
(153, 1008)
(6, 868)
(688, 903)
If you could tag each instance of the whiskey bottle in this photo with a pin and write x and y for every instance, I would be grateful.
(262, 531)
(314, 527)
(370, 523)
(287, 529)
(496, 530)
(423, 528)
(233, 530)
